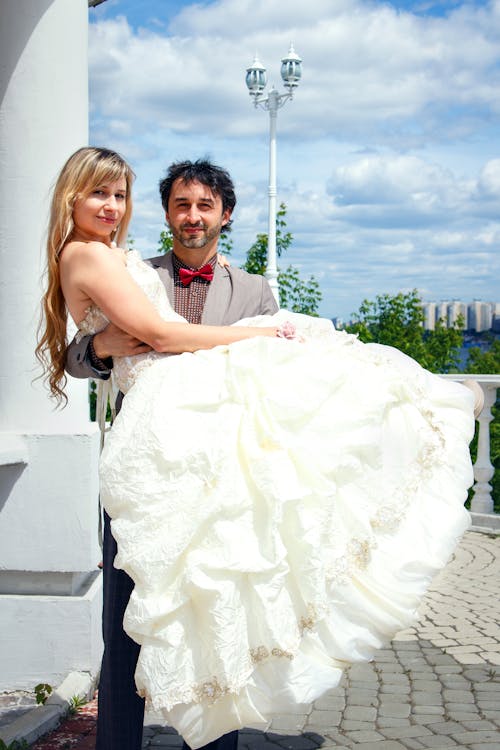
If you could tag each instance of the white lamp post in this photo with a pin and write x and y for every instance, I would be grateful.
(291, 72)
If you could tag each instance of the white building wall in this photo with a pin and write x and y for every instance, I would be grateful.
(48, 458)
(442, 311)
(479, 316)
(455, 309)
(429, 309)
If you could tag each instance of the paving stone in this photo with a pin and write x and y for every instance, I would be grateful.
(447, 727)
(455, 682)
(443, 642)
(384, 655)
(458, 696)
(362, 697)
(438, 742)
(427, 685)
(465, 707)
(488, 686)
(448, 669)
(468, 658)
(389, 721)
(322, 719)
(395, 689)
(362, 672)
(393, 668)
(404, 646)
(362, 685)
(395, 678)
(339, 739)
(330, 703)
(349, 725)
(491, 713)
(479, 724)
(413, 744)
(428, 710)
(393, 698)
(490, 702)
(441, 659)
(426, 699)
(366, 736)
(399, 733)
(396, 710)
(467, 738)
(462, 716)
(429, 719)
(360, 713)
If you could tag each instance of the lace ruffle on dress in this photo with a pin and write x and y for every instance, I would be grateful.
(281, 508)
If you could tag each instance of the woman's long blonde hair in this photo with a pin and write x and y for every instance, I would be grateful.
(85, 170)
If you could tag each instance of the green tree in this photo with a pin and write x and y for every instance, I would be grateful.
(166, 241)
(296, 294)
(397, 320)
(485, 362)
(443, 346)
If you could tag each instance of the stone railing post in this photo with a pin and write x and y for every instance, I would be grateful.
(482, 502)
(482, 508)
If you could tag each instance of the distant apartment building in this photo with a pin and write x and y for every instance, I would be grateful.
(442, 311)
(496, 317)
(478, 316)
(430, 309)
(456, 310)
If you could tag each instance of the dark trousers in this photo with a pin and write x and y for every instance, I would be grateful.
(120, 716)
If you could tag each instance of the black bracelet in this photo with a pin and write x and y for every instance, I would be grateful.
(97, 362)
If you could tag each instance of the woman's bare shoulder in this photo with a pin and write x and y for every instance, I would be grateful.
(83, 253)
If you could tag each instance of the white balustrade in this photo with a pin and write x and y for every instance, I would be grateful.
(482, 501)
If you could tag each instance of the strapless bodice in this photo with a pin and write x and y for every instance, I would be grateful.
(126, 369)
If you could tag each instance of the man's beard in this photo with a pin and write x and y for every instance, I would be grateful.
(200, 241)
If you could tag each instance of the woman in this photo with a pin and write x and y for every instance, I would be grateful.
(280, 505)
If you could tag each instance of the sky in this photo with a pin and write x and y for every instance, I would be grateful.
(388, 156)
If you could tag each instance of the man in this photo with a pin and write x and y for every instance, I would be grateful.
(198, 199)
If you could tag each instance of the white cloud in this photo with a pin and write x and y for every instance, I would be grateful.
(387, 157)
(365, 67)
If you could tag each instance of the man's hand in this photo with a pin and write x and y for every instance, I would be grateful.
(113, 342)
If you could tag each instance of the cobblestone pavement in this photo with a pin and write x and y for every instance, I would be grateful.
(437, 686)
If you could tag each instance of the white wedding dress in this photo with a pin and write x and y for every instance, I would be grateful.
(281, 508)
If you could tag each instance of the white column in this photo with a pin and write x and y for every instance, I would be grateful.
(48, 458)
(43, 119)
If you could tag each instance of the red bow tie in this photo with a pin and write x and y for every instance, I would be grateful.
(186, 275)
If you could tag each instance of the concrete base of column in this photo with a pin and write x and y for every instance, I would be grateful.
(46, 637)
(50, 583)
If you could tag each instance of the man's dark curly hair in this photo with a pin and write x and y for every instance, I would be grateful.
(201, 170)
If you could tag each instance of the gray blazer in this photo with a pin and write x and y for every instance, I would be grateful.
(233, 294)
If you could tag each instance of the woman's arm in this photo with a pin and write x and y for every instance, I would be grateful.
(95, 272)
